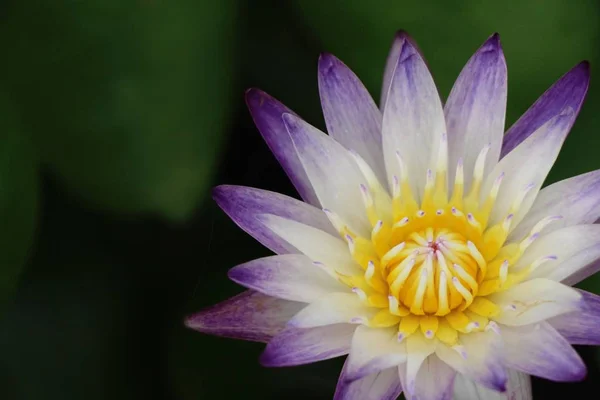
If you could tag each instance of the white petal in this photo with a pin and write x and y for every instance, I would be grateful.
(382, 385)
(576, 200)
(413, 118)
(533, 301)
(295, 346)
(314, 243)
(331, 170)
(374, 349)
(481, 358)
(573, 247)
(517, 388)
(476, 108)
(291, 277)
(434, 380)
(418, 348)
(526, 167)
(333, 308)
(541, 351)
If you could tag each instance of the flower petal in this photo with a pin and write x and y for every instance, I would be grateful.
(476, 109)
(242, 204)
(392, 61)
(480, 358)
(295, 346)
(267, 112)
(583, 325)
(248, 316)
(333, 308)
(541, 351)
(572, 250)
(372, 350)
(435, 380)
(333, 173)
(418, 349)
(290, 277)
(576, 200)
(351, 115)
(526, 167)
(518, 388)
(568, 91)
(533, 301)
(316, 244)
(382, 385)
(413, 118)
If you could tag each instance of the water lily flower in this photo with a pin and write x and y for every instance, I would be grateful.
(425, 248)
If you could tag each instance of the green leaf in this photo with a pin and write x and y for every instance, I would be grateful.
(18, 199)
(128, 101)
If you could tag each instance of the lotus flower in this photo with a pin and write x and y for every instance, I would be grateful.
(425, 248)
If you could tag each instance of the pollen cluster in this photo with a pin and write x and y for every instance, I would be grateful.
(431, 265)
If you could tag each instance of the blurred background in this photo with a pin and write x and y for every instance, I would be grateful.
(117, 118)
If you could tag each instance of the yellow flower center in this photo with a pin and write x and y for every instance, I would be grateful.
(429, 265)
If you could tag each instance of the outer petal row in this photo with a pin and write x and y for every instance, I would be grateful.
(266, 112)
(568, 92)
(244, 204)
(248, 316)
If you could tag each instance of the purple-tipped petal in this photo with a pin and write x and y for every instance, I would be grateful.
(541, 351)
(295, 346)
(576, 200)
(243, 204)
(569, 91)
(392, 60)
(571, 251)
(382, 385)
(418, 350)
(248, 316)
(527, 166)
(518, 388)
(581, 326)
(435, 380)
(351, 115)
(266, 113)
(333, 173)
(328, 251)
(373, 350)
(476, 108)
(413, 119)
(480, 359)
(533, 301)
(290, 277)
(333, 308)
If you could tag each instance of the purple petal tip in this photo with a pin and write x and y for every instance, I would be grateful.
(253, 94)
(328, 63)
(218, 193)
(492, 44)
(266, 360)
(584, 66)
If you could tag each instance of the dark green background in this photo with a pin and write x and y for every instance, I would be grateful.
(118, 117)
